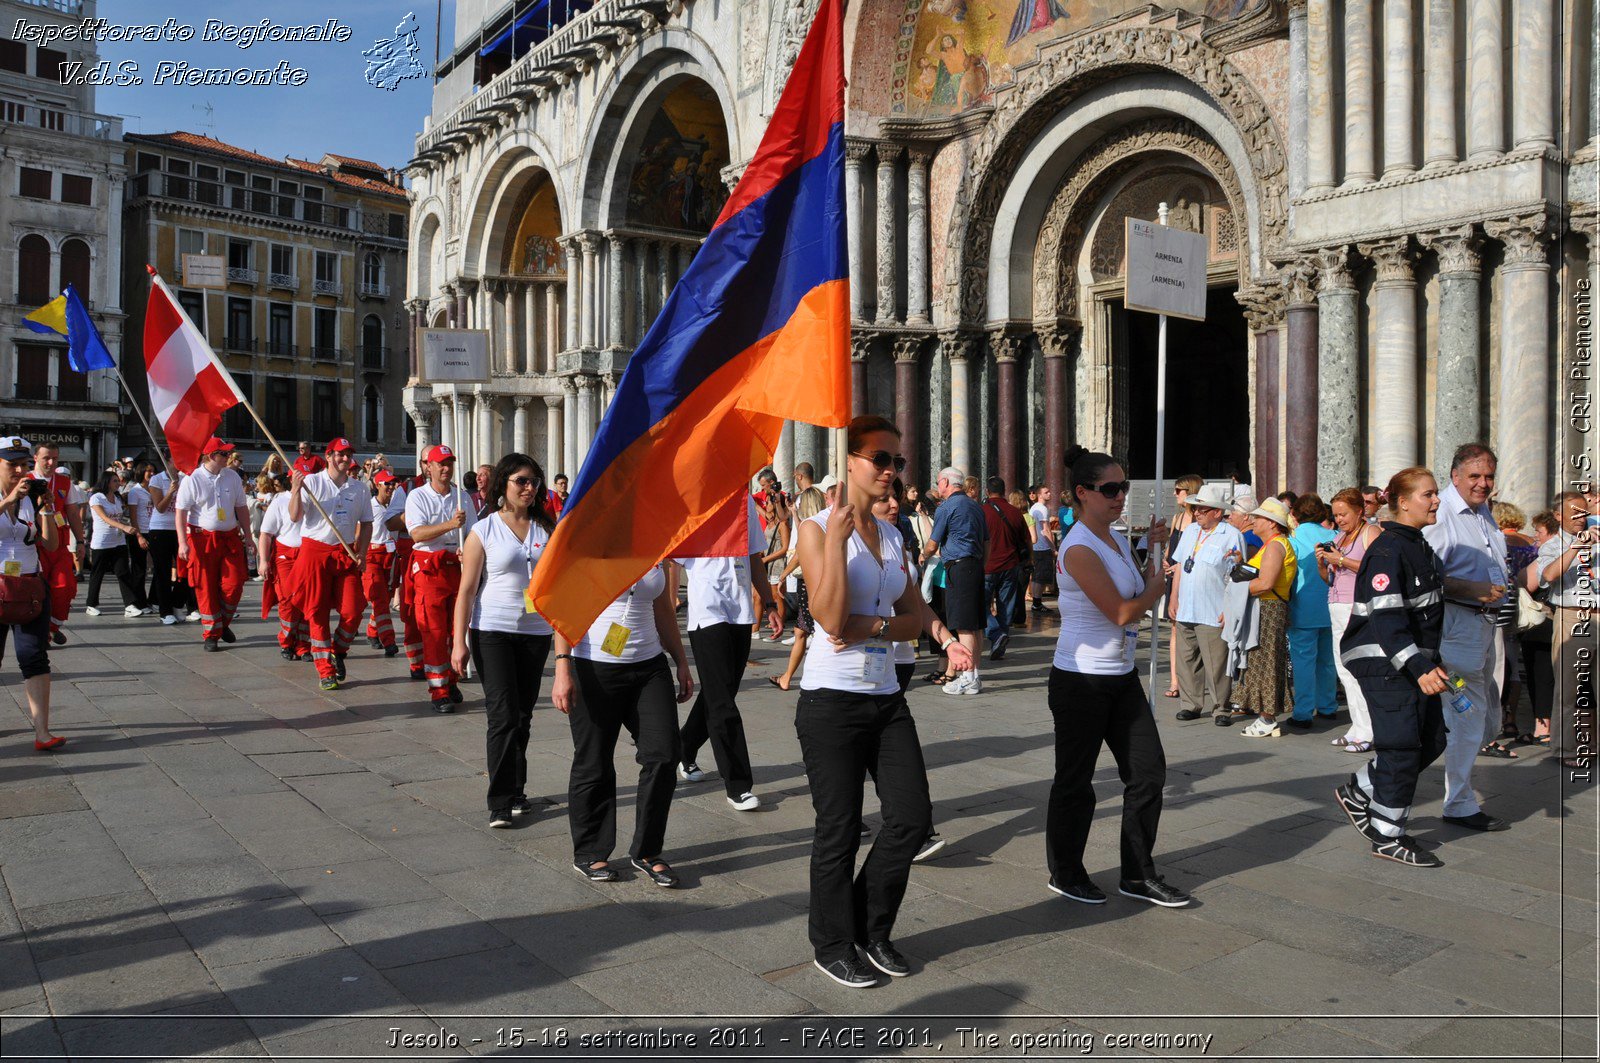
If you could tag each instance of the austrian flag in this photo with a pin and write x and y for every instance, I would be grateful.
(189, 388)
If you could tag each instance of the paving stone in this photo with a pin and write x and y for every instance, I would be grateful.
(189, 887)
(690, 981)
(289, 765)
(505, 981)
(67, 928)
(346, 887)
(580, 940)
(155, 845)
(40, 800)
(19, 978)
(69, 878)
(145, 976)
(30, 1033)
(269, 737)
(399, 934)
(265, 929)
(308, 992)
(515, 886)
(453, 849)
(307, 848)
(209, 1028)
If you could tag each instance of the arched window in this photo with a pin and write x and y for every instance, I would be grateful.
(371, 415)
(372, 352)
(372, 272)
(75, 269)
(33, 271)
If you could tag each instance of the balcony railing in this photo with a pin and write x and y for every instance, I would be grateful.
(240, 275)
(374, 357)
(281, 349)
(98, 126)
(328, 354)
(327, 287)
(53, 392)
(237, 197)
(283, 280)
(375, 289)
(239, 343)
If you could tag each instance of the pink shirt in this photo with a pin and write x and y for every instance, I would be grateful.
(1342, 591)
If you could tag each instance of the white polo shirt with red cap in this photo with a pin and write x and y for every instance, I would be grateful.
(212, 500)
(343, 506)
(425, 506)
(381, 535)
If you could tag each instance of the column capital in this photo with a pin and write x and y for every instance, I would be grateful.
(1263, 305)
(888, 152)
(569, 385)
(589, 241)
(466, 287)
(416, 305)
(554, 402)
(1299, 279)
(1333, 270)
(1295, 8)
(1005, 345)
(1393, 258)
(1057, 340)
(521, 401)
(906, 348)
(569, 244)
(861, 345)
(1585, 221)
(585, 382)
(1459, 249)
(856, 150)
(920, 156)
(955, 345)
(1526, 238)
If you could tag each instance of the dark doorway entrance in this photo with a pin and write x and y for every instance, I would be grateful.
(1208, 389)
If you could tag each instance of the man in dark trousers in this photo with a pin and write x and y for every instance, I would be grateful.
(960, 536)
(1009, 545)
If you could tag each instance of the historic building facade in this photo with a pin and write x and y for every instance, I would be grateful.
(1398, 199)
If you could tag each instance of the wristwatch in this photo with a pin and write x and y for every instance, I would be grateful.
(883, 624)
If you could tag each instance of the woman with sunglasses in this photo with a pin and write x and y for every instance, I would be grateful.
(1095, 695)
(24, 532)
(509, 641)
(852, 719)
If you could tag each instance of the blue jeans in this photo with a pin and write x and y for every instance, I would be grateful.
(1315, 681)
(1000, 590)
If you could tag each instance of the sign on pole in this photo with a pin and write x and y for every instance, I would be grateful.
(204, 271)
(453, 355)
(1166, 270)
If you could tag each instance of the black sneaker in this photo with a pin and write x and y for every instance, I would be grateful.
(1188, 714)
(338, 666)
(211, 645)
(228, 636)
(391, 650)
(287, 655)
(443, 707)
(521, 806)
(374, 642)
(58, 638)
(418, 675)
(1083, 891)
(1479, 820)
(886, 958)
(850, 972)
(500, 819)
(1354, 803)
(456, 697)
(1223, 717)
(1405, 850)
(1155, 891)
(999, 651)
(931, 846)
(1300, 725)
(330, 683)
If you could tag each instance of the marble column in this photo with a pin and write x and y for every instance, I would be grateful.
(1485, 79)
(483, 307)
(1299, 99)
(888, 236)
(552, 327)
(908, 400)
(917, 290)
(1395, 379)
(519, 424)
(422, 418)
(1339, 384)
(1458, 391)
(464, 293)
(614, 286)
(569, 420)
(1300, 410)
(686, 253)
(955, 347)
(1267, 422)
(485, 446)
(1524, 424)
(1360, 163)
(588, 388)
(530, 320)
(447, 423)
(854, 152)
(641, 290)
(463, 444)
(805, 447)
(511, 306)
(783, 456)
(1399, 88)
(1533, 94)
(1057, 343)
(574, 289)
(1440, 146)
(554, 441)
(1005, 348)
(1321, 160)
(589, 299)
(860, 348)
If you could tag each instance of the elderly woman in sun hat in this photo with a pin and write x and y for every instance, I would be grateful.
(1271, 570)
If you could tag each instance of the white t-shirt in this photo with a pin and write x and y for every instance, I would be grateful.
(15, 547)
(1041, 525)
(1089, 642)
(396, 508)
(347, 505)
(105, 536)
(867, 667)
(160, 521)
(635, 613)
(381, 535)
(719, 587)
(277, 524)
(906, 652)
(139, 502)
(212, 501)
(425, 506)
(508, 564)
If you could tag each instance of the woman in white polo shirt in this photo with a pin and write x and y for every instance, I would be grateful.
(615, 677)
(109, 541)
(507, 641)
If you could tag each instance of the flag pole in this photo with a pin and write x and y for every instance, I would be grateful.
(251, 410)
(1161, 446)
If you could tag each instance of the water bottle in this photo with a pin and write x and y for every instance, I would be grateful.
(1457, 693)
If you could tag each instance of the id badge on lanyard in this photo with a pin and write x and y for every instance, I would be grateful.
(11, 566)
(616, 640)
(875, 662)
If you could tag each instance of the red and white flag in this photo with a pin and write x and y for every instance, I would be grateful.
(189, 388)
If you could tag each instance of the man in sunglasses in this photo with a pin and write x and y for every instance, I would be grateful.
(960, 536)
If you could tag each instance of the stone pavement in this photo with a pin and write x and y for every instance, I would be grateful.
(221, 842)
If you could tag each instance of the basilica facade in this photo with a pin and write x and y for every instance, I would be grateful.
(1398, 199)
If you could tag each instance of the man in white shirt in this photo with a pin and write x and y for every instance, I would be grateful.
(1044, 547)
(57, 564)
(210, 514)
(720, 615)
(1472, 559)
(438, 515)
(278, 548)
(376, 583)
(334, 532)
(394, 516)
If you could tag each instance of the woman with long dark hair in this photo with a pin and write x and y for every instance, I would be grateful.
(508, 641)
(25, 531)
(1095, 696)
(109, 542)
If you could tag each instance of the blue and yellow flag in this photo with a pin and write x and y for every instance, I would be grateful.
(66, 316)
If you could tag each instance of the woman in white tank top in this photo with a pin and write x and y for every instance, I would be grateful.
(1095, 694)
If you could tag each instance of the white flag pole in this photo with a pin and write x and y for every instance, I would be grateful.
(1161, 453)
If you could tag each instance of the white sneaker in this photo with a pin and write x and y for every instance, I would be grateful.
(132, 611)
(1261, 727)
(148, 610)
(195, 615)
(789, 641)
(746, 802)
(965, 683)
(90, 610)
(690, 772)
(169, 619)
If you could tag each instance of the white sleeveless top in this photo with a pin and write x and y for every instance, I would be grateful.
(635, 611)
(1089, 642)
(508, 564)
(867, 667)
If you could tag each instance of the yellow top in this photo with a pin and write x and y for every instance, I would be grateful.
(1285, 580)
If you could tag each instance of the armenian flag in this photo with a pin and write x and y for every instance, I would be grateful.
(757, 331)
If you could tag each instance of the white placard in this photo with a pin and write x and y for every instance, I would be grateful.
(454, 355)
(1166, 270)
(205, 271)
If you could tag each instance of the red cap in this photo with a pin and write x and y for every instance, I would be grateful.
(383, 476)
(214, 446)
(336, 445)
(439, 453)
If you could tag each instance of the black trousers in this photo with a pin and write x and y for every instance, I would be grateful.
(33, 641)
(720, 653)
(510, 667)
(1408, 734)
(1090, 710)
(843, 737)
(138, 569)
(169, 596)
(642, 697)
(112, 559)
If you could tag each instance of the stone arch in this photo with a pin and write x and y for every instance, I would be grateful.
(34, 265)
(1032, 126)
(519, 160)
(423, 278)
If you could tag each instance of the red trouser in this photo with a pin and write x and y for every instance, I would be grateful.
(328, 579)
(375, 583)
(435, 579)
(56, 568)
(217, 572)
(408, 615)
(293, 633)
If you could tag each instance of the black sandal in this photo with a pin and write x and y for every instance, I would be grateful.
(666, 879)
(603, 873)
(1498, 751)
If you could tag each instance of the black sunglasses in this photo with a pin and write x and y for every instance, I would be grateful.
(525, 481)
(1112, 488)
(882, 459)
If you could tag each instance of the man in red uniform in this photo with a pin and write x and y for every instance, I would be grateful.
(438, 517)
(278, 549)
(308, 462)
(382, 556)
(56, 565)
(211, 513)
(333, 536)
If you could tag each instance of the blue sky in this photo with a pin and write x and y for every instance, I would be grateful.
(336, 110)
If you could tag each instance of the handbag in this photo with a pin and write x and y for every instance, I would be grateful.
(1531, 613)
(21, 599)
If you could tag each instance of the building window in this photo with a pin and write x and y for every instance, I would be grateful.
(371, 415)
(33, 372)
(75, 267)
(280, 413)
(280, 329)
(77, 189)
(55, 120)
(13, 56)
(325, 333)
(325, 420)
(234, 180)
(240, 334)
(283, 260)
(327, 273)
(11, 111)
(372, 271)
(35, 183)
(238, 254)
(70, 386)
(237, 423)
(148, 162)
(410, 429)
(178, 184)
(372, 342)
(33, 271)
(47, 64)
(194, 304)
(397, 226)
(190, 242)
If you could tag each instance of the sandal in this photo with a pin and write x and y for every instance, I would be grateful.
(604, 873)
(1170, 693)
(1340, 741)
(664, 877)
(774, 681)
(1526, 739)
(1358, 747)
(939, 679)
(1497, 751)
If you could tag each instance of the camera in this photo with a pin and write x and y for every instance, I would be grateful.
(38, 489)
(1243, 573)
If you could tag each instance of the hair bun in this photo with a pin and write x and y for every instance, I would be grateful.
(1073, 453)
